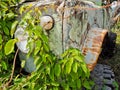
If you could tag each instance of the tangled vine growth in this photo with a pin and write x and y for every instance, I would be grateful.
(52, 72)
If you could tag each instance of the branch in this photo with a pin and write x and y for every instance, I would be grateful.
(13, 68)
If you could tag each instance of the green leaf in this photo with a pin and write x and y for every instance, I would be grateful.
(65, 53)
(10, 15)
(4, 66)
(79, 83)
(37, 48)
(52, 74)
(44, 38)
(48, 69)
(116, 85)
(66, 87)
(55, 88)
(3, 5)
(80, 71)
(84, 68)
(57, 70)
(28, 16)
(9, 47)
(55, 84)
(46, 47)
(68, 66)
(1, 39)
(13, 28)
(91, 83)
(86, 85)
(32, 86)
(79, 58)
(37, 31)
(36, 60)
(21, 9)
(44, 58)
(22, 63)
(6, 30)
(74, 76)
(49, 58)
(75, 67)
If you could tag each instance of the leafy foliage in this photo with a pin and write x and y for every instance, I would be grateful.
(7, 17)
(9, 47)
(52, 73)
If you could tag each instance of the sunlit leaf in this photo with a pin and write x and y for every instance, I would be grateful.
(13, 28)
(9, 47)
(49, 58)
(21, 9)
(79, 58)
(46, 47)
(44, 58)
(48, 69)
(14, 1)
(3, 4)
(44, 38)
(28, 16)
(39, 66)
(54, 84)
(75, 67)
(69, 66)
(65, 53)
(10, 15)
(37, 48)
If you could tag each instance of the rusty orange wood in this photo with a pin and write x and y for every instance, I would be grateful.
(93, 45)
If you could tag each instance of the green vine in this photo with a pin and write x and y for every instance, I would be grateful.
(69, 72)
(7, 17)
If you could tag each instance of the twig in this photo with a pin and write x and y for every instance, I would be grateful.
(13, 68)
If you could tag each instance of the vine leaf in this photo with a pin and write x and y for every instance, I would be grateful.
(10, 15)
(68, 66)
(87, 85)
(6, 30)
(4, 65)
(1, 39)
(13, 28)
(75, 67)
(84, 67)
(52, 74)
(79, 83)
(9, 47)
(57, 70)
